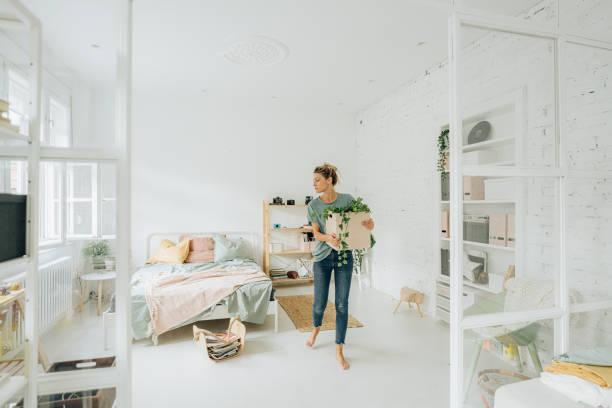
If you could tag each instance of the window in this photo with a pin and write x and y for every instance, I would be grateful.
(81, 200)
(108, 200)
(51, 176)
(56, 130)
(87, 191)
(19, 100)
(13, 177)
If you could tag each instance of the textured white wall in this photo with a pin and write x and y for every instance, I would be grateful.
(396, 151)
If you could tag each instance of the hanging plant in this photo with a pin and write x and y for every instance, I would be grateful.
(443, 153)
(357, 206)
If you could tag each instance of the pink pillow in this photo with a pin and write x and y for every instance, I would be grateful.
(201, 249)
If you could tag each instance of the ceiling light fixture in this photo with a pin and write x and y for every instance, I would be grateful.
(420, 43)
(95, 45)
(257, 51)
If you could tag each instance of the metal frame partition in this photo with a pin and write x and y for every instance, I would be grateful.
(80, 380)
(561, 311)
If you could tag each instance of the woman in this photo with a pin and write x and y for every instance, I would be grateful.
(326, 259)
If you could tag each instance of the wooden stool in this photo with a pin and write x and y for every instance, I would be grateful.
(411, 296)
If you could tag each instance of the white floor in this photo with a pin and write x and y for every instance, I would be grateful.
(396, 360)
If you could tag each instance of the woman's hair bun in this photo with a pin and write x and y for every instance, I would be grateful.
(328, 170)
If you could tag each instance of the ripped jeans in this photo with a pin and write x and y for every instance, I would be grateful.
(342, 282)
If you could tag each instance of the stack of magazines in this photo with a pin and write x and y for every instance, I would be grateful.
(222, 345)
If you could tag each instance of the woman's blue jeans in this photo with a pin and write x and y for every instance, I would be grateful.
(342, 281)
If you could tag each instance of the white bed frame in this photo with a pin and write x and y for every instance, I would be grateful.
(220, 312)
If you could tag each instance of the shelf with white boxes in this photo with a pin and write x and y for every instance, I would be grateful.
(492, 207)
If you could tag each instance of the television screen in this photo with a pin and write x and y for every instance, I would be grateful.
(13, 224)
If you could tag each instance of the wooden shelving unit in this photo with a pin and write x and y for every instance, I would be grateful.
(286, 282)
(267, 239)
(290, 252)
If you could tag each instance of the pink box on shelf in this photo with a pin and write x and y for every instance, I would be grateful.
(359, 236)
(444, 225)
(511, 231)
(498, 233)
(473, 188)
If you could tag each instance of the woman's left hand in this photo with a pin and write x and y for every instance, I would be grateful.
(369, 224)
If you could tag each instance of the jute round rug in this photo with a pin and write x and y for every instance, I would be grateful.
(299, 309)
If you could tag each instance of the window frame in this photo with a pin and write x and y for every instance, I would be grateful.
(70, 236)
(49, 243)
(66, 101)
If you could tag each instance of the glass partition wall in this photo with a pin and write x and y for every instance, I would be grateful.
(64, 183)
(530, 210)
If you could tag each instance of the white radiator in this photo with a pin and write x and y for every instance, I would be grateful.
(54, 292)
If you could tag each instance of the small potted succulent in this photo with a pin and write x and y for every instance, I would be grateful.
(98, 251)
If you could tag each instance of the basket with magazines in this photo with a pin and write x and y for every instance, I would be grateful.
(221, 346)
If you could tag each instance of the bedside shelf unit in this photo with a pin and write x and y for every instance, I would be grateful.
(268, 232)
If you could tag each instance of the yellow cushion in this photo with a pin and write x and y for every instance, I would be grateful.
(169, 252)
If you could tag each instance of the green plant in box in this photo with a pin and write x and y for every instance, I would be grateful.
(357, 206)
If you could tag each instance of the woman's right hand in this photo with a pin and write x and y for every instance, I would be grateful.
(333, 240)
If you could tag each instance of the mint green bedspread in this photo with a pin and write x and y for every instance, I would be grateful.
(249, 302)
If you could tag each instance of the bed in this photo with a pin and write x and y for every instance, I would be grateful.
(252, 301)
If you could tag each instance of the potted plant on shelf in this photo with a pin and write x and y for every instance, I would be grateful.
(443, 153)
(98, 251)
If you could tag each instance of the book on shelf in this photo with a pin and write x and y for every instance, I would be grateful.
(4, 105)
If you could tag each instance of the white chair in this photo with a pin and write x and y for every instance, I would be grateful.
(520, 295)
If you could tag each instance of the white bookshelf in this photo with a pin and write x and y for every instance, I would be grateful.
(504, 148)
(488, 144)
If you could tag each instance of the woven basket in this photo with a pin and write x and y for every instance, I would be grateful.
(236, 327)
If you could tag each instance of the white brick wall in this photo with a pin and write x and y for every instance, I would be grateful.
(396, 150)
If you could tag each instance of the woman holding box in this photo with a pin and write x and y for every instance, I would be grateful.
(326, 258)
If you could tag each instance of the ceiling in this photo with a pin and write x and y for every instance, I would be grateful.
(341, 54)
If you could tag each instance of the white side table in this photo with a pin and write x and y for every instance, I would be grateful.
(100, 277)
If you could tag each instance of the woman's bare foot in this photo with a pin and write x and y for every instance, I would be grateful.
(313, 337)
(340, 357)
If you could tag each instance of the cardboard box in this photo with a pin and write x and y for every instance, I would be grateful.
(511, 231)
(444, 224)
(473, 188)
(359, 236)
(498, 233)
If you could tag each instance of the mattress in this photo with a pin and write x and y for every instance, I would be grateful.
(249, 302)
(532, 394)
